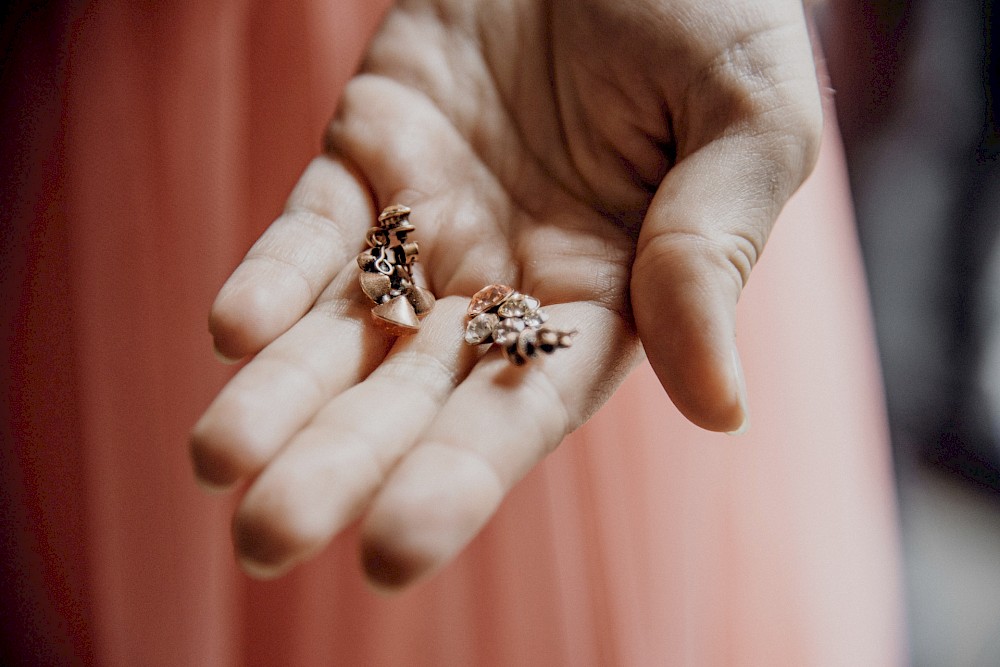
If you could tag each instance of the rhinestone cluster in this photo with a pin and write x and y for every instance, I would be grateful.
(499, 314)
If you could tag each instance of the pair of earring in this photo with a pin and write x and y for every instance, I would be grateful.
(497, 313)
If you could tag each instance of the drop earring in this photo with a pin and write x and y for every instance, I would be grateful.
(514, 321)
(387, 273)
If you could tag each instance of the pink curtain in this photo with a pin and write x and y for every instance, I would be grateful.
(149, 144)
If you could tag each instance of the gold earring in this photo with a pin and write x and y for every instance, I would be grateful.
(514, 321)
(387, 273)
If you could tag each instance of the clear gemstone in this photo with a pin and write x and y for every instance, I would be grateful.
(519, 305)
(480, 328)
(487, 298)
(512, 324)
(512, 308)
(504, 336)
(536, 319)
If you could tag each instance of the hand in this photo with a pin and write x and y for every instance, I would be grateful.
(621, 160)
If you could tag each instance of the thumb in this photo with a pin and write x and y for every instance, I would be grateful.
(702, 235)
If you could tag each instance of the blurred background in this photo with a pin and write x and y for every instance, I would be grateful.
(915, 86)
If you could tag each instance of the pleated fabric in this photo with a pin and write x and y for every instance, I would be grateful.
(152, 142)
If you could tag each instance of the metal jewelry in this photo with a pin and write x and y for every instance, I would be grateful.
(499, 314)
(386, 273)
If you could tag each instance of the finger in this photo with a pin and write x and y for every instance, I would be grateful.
(414, 155)
(321, 481)
(496, 425)
(703, 233)
(334, 346)
(321, 230)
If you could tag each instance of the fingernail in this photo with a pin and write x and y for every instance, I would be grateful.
(741, 395)
(383, 572)
(259, 571)
(212, 472)
(229, 361)
(210, 487)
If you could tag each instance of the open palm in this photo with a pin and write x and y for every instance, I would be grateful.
(623, 161)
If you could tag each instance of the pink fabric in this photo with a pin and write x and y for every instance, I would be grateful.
(641, 541)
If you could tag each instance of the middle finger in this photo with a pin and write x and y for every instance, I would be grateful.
(329, 470)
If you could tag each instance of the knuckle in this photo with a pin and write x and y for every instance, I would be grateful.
(697, 258)
(552, 423)
(421, 371)
(742, 250)
(356, 96)
(796, 125)
(676, 256)
(764, 84)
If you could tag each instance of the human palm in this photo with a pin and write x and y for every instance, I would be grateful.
(622, 161)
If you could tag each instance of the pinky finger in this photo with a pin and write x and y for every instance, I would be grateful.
(321, 229)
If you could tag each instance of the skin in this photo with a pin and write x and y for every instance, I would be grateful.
(622, 160)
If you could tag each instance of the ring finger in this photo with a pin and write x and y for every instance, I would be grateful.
(333, 347)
